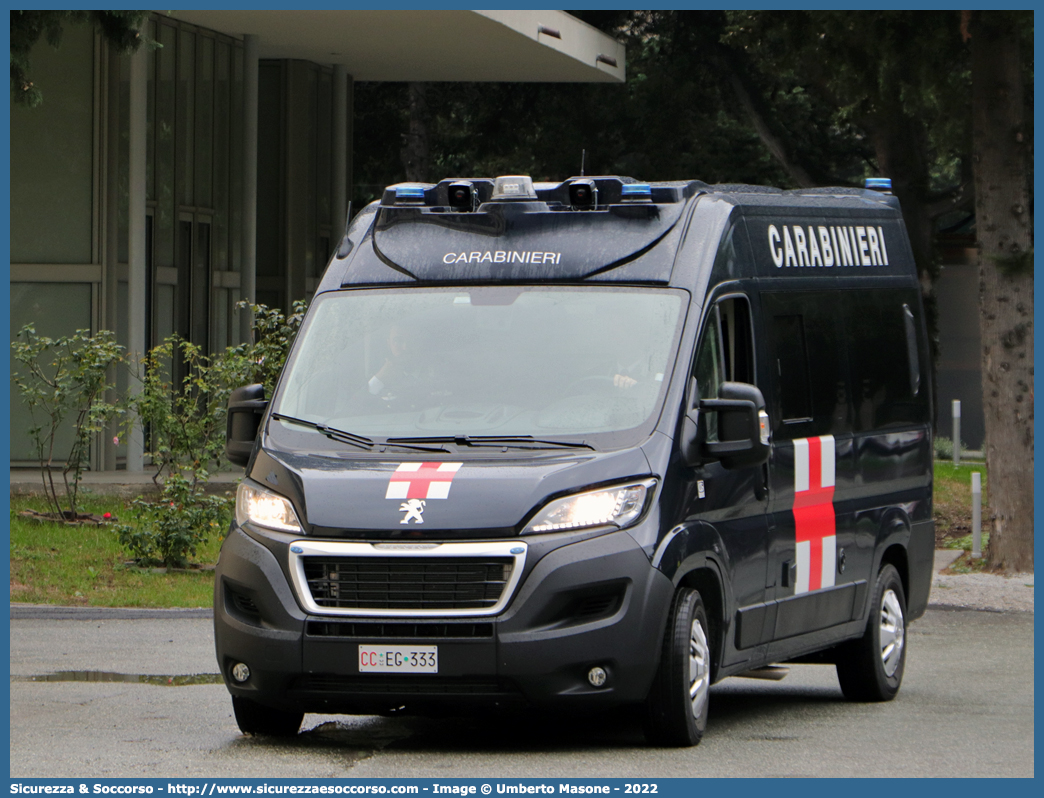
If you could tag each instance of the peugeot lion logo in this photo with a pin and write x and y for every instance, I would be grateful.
(413, 509)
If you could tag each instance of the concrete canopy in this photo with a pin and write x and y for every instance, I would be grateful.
(430, 45)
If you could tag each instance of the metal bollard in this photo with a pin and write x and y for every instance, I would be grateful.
(956, 431)
(976, 515)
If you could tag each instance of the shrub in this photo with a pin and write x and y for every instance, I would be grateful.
(168, 531)
(185, 427)
(64, 379)
(185, 421)
(944, 447)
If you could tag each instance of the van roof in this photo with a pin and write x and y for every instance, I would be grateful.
(584, 228)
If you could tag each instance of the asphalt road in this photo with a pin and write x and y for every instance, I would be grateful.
(965, 709)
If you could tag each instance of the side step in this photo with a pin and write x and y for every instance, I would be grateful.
(773, 673)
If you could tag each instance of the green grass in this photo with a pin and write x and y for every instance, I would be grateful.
(53, 563)
(953, 503)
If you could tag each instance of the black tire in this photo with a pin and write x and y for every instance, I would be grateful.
(255, 718)
(673, 717)
(871, 668)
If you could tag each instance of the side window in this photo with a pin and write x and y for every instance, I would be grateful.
(737, 337)
(708, 370)
(726, 352)
(806, 368)
(884, 354)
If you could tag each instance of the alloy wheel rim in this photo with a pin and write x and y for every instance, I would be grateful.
(699, 668)
(892, 632)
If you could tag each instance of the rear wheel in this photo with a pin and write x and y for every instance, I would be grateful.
(871, 668)
(255, 718)
(676, 709)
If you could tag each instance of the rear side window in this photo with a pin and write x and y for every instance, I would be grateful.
(888, 387)
(806, 364)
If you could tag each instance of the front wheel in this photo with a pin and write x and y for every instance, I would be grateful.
(255, 718)
(676, 709)
(871, 668)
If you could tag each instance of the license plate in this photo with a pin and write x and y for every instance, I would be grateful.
(398, 659)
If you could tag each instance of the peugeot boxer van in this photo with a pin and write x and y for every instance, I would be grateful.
(582, 445)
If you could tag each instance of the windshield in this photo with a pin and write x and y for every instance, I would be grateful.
(577, 365)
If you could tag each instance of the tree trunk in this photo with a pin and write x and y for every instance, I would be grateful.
(416, 151)
(1001, 165)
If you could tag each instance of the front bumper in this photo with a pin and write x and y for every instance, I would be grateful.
(596, 601)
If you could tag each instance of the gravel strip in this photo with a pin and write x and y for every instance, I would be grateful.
(983, 592)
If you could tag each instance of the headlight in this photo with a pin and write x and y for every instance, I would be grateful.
(619, 507)
(259, 507)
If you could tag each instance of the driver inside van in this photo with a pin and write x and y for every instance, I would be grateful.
(408, 368)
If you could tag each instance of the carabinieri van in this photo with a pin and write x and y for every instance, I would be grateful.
(585, 444)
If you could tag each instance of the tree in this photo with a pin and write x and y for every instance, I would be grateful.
(1003, 166)
(896, 81)
(121, 29)
(416, 145)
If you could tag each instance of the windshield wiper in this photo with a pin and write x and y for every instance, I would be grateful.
(511, 441)
(350, 438)
(330, 432)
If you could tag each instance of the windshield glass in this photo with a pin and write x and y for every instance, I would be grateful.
(557, 364)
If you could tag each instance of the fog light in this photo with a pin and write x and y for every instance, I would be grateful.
(240, 672)
(596, 676)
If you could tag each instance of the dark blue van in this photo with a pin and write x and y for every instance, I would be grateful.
(585, 444)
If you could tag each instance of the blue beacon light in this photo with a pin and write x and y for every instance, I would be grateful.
(879, 183)
(636, 191)
(409, 193)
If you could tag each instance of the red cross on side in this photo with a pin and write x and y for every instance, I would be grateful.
(815, 526)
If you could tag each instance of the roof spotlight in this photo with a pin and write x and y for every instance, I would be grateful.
(583, 194)
(513, 187)
(462, 195)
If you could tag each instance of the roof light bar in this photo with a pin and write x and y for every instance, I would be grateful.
(879, 183)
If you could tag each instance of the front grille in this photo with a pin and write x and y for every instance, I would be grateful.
(411, 631)
(400, 685)
(407, 583)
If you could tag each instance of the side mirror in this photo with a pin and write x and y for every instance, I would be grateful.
(246, 407)
(742, 425)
